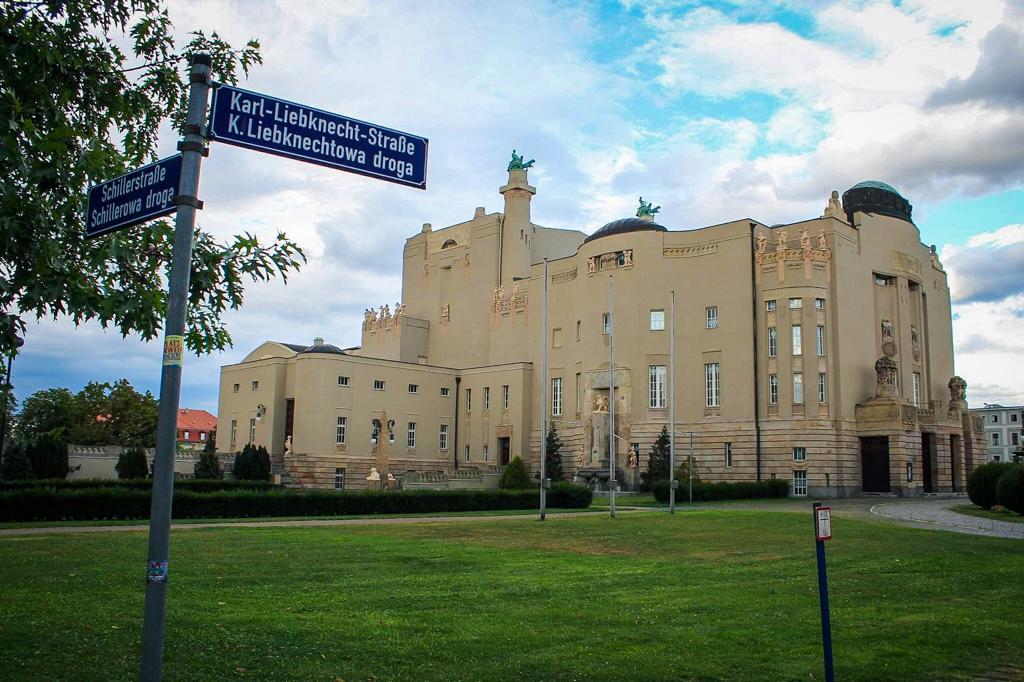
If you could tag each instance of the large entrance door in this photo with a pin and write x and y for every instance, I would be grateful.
(928, 461)
(504, 450)
(874, 457)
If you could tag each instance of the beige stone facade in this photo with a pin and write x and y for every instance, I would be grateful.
(780, 332)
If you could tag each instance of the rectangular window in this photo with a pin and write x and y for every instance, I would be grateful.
(234, 389)
(255, 385)
(467, 453)
(917, 388)
(819, 304)
(773, 342)
(504, 397)
(800, 483)
(885, 280)
(657, 320)
(711, 317)
(374, 431)
(414, 388)
(728, 454)
(378, 384)
(202, 436)
(469, 400)
(799, 454)
(995, 419)
(995, 439)
(579, 329)
(771, 305)
(339, 432)
(445, 392)
(606, 323)
(1013, 417)
(798, 387)
(1014, 438)
(442, 438)
(822, 394)
(712, 397)
(796, 303)
(410, 435)
(656, 386)
(797, 346)
(342, 381)
(773, 389)
(186, 436)
(234, 432)
(820, 339)
(252, 430)
(579, 396)
(487, 397)
(487, 453)
(556, 397)
(339, 479)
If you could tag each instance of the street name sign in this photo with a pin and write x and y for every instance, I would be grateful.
(823, 524)
(296, 131)
(143, 194)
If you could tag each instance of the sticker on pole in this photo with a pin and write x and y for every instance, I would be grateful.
(156, 572)
(174, 350)
(823, 524)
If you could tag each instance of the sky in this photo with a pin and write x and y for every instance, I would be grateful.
(715, 111)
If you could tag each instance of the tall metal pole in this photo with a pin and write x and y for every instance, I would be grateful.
(611, 400)
(672, 408)
(689, 468)
(826, 620)
(544, 397)
(192, 149)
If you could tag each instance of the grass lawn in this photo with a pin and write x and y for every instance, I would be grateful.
(974, 510)
(702, 595)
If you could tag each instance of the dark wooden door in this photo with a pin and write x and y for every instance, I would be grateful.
(927, 461)
(874, 456)
(504, 451)
(289, 417)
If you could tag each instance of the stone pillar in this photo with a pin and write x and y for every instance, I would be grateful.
(516, 231)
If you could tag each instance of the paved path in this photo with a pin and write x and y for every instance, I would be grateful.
(937, 513)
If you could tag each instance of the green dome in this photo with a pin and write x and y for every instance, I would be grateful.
(877, 184)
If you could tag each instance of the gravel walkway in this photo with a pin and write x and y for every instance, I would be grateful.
(937, 513)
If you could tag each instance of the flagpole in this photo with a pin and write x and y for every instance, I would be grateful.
(672, 409)
(544, 396)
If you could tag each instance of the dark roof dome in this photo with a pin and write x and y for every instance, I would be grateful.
(875, 196)
(324, 348)
(626, 225)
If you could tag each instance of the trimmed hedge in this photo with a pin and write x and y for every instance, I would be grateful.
(1010, 489)
(981, 484)
(133, 503)
(704, 491)
(193, 484)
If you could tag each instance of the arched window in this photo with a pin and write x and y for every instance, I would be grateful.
(449, 243)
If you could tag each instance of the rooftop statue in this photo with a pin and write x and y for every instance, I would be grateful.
(646, 209)
(517, 162)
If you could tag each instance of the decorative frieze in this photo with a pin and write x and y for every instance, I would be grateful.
(564, 276)
(690, 251)
(382, 319)
(608, 261)
(904, 262)
(516, 302)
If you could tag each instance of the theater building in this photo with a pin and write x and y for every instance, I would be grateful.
(819, 352)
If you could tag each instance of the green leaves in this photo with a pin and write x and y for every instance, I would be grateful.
(75, 110)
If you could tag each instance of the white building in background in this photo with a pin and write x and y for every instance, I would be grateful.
(1004, 430)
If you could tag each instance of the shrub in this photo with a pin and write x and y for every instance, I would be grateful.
(1010, 489)
(981, 485)
(208, 467)
(42, 504)
(704, 491)
(131, 463)
(16, 465)
(49, 456)
(553, 450)
(252, 464)
(515, 476)
(657, 461)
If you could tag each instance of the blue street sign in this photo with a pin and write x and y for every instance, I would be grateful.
(272, 125)
(143, 194)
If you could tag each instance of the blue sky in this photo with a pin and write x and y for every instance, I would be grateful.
(714, 110)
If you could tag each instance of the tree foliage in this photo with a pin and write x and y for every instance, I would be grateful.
(553, 459)
(16, 465)
(49, 455)
(132, 464)
(657, 460)
(208, 466)
(252, 464)
(515, 476)
(99, 414)
(77, 110)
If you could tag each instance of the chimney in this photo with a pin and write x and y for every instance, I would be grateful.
(318, 341)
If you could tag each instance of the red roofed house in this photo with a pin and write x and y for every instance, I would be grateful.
(195, 427)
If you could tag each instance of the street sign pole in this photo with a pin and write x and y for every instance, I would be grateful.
(823, 532)
(192, 149)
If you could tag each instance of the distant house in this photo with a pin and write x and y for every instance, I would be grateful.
(195, 427)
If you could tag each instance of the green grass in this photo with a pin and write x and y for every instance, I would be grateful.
(638, 500)
(702, 595)
(974, 510)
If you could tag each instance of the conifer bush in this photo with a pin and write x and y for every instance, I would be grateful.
(1010, 489)
(132, 464)
(515, 476)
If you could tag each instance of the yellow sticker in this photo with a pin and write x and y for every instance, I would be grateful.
(174, 350)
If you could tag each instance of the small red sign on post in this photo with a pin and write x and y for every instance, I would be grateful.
(823, 524)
